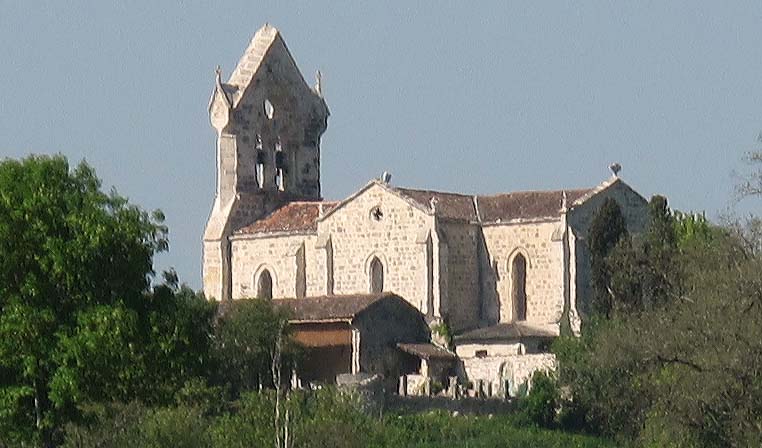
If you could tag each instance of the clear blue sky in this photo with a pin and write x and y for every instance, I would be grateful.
(504, 96)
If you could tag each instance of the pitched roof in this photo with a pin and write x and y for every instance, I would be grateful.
(504, 332)
(446, 205)
(328, 308)
(265, 41)
(426, 351)
(494, 208)
(525, 204)
(291, 217)
(265, 38)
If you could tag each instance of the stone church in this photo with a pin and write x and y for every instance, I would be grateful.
(499, 271)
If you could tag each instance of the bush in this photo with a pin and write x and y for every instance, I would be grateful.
(541, 404)
(323, 418)
(134, 425)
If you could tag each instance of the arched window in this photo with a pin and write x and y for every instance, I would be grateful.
(519, 287)
(265, 285)
(376, 273)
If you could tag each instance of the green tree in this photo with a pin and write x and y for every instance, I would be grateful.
(606, 230)
(245, 343)
(686, 372)
(68, 250)
(176, 327)
(659, 251)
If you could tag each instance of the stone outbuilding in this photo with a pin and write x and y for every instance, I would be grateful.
(354, 334)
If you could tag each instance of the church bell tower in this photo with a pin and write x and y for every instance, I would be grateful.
(268, 123)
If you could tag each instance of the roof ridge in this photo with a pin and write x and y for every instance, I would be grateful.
(433, 191)
(558, 190)
(487, 195)
(253, 55)
(303, 201)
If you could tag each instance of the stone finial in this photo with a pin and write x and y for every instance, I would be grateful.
(615, 168)
(386, 177)
(319, 83)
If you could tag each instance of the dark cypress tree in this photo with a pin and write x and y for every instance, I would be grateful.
(659, 250)
(606, 230)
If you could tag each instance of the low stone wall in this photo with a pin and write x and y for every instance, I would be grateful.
(368, 389)
(514, 369)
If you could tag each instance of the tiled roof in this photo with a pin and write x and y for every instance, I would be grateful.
(525, 204)
(426, 351)
(503, 332)
(344, 307)
(495, 208)
(447, 205)
(291, 217)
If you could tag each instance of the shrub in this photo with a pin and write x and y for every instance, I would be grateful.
(542, 401)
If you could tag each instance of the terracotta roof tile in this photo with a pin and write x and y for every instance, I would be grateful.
(525, 204)
(505, 332)
(426, 351)
(344, 307)
(291, 217)
(447, 205)
(495, 208)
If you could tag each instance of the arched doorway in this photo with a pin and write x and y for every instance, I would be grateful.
(265, 285)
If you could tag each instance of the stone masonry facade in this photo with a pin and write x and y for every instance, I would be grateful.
(501, 271)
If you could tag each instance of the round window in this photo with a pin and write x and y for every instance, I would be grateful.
(376, 214)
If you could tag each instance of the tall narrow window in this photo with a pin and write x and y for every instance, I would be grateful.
(280, 167)
(259, 168)
(376, 273)
(519, 287)
(265, 285)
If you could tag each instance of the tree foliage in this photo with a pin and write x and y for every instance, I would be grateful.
(607, 229)
(682, 369)
(245, 341)
(78, 319)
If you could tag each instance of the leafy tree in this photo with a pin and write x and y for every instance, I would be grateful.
(176, 331)
(660, 281)
(684, 373)
(68, 249)
(606, 230)
(245, 341)
(690, 228)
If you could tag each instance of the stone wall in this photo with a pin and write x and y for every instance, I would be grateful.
(381, 327)
(544, 273)
(461, 306)
(280, 256)
(517, 369)
(633, 205)
(469, 350)
(397, 239)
